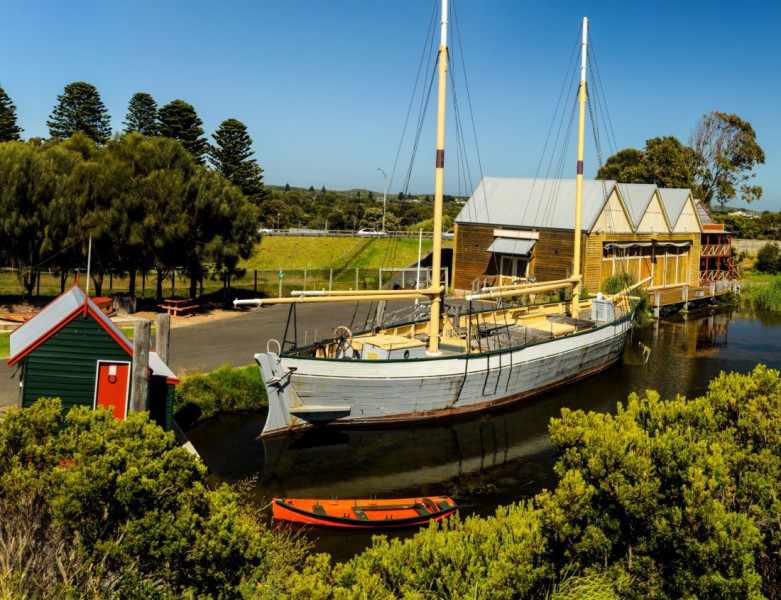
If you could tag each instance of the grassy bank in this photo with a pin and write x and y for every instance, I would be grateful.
(5, 344)
(333, 253)
(227, 389)
(765, 295)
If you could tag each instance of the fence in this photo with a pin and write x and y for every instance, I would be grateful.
(268, 283)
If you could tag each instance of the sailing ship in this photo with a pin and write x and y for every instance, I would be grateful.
(451, 364)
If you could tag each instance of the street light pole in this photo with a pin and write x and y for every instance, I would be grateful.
(384, 195)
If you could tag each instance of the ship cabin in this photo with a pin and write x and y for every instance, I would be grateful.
(522, 230)
(71, 350)
(716, 260)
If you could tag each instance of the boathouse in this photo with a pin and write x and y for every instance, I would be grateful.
(716, 260)
(71, 350)
(515, 230)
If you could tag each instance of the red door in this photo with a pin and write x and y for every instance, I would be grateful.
(113, 387)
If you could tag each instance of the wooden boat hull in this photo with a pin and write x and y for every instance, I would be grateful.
(305, 391)
(364, 514)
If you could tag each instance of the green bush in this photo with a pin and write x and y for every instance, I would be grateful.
(201, 395)
(97, 506)
(621, 281)
(769, 258)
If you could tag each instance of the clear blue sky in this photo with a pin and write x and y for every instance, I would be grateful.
(323, 86)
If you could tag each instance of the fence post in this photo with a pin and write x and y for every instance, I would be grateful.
(379, 284)
(330, 280)
(304, 279)
(657, 300)
(139, 397)
(356, 278)
(163, 336)
(256, 281)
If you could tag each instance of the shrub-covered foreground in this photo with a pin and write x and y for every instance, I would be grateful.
(95, 506)
(665, 499)
(226, 389)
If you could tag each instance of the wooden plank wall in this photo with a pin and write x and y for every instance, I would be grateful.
(552, 255)
(472, 260)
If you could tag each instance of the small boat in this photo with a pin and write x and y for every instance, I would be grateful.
(364, 514)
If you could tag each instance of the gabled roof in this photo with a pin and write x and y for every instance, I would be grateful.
(674, 199)
(534, 203)
(55, 315)
(160, 369)
(637, 197)
(707, 220)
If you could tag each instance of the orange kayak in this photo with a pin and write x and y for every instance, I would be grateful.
(364, 514)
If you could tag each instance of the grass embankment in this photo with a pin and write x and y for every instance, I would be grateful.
(763, 295)
(227, 389)
(5, 344)
(333, 253)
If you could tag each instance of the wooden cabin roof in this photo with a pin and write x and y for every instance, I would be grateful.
(55, 315)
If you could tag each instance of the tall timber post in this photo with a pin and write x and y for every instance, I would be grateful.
(576, 274)
(439, 184)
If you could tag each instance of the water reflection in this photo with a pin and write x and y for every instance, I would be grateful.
(487, 461)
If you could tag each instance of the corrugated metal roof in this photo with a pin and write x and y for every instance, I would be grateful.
(674, 199)
(534, 203)
(705, 217)
(511, 246)
(159, 368)
(51, 316)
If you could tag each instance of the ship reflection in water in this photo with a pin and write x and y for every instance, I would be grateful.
(483, 462)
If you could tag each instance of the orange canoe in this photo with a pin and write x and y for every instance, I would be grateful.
(364, 514)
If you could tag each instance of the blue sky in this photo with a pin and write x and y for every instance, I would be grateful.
(324, 86)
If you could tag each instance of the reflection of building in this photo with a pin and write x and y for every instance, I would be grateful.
(706, 336)
(716, 260)
(516, 229)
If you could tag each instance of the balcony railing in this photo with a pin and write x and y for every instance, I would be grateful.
(716, 250)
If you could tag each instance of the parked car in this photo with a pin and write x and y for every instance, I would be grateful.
(371, 232)
(265, 231)
(449, 235)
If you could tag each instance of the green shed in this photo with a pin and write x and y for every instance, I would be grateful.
(72, 351)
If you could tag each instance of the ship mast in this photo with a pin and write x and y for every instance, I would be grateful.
(576, 275)
(439, 182)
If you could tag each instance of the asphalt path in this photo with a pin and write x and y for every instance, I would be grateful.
(234, 341)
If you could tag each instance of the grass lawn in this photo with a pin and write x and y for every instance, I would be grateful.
(5, 344)
(758, 277)
(333, 253)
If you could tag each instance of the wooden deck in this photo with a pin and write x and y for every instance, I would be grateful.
(686, 294)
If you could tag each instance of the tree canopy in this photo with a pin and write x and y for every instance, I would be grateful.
(9, 130)
(232, 157)
(79, 109)
(727, 150)
(142, 115)
(717, 164)
(179, 121)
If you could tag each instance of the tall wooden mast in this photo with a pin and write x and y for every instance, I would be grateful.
(439, 182)
(575, 309)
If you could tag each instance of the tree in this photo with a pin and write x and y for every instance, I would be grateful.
(769, 258)
(614, 167)
(179, 121)
(665, 162)
(311, 188)
(142, 115)
(371, 195)
(727, 151)
(9, 130)
(80, 110)
(323, 189)
(231, 156)
(287, 187)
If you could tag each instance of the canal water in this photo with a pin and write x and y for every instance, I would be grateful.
(484, 462)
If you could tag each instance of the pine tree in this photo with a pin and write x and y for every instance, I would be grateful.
(142, 115)
(231, 158)
(179, 121)
(287, 187)
(80, 110)
(311, 188)
(9, 130)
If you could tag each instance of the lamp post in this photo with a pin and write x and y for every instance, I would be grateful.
(277, 220)
(384, 195)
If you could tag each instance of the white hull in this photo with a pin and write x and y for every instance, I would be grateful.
(306, 391)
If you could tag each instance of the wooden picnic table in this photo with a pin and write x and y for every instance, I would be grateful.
(179, 307)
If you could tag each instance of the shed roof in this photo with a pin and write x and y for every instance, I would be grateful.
(673, 200)
(637, 197)
(160, 369)
(512, 246)
(56, 315)
(534, 203)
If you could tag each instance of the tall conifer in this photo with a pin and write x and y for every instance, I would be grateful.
(80, 110)
(231, 157)
(9, 130)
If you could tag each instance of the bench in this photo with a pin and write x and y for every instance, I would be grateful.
(179, 308)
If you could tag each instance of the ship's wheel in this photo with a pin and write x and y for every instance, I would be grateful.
(343, 336)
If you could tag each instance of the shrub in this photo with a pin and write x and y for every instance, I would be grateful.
(763, 296)
(123, 509)
(769, 258)
(621, 281)
(201, 395)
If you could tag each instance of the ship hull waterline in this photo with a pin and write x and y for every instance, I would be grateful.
(304, 392)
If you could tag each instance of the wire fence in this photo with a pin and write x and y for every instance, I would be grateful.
(263, 283)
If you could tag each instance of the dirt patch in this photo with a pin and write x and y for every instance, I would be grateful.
(203, 316)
